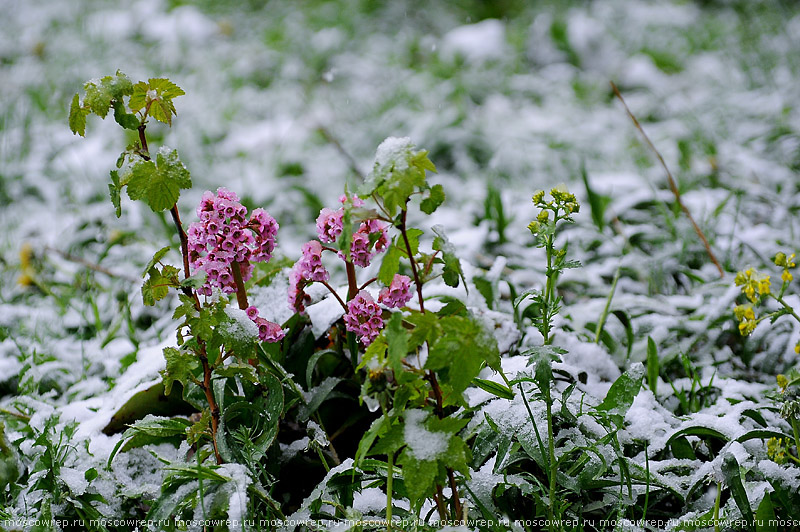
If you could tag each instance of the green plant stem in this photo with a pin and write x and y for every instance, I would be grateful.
(796, 431)
(548, 293)
(602, 321)
(787, 307)
(552, 462)
(647, 472)
(716, 506)
(202, 355)
(417, 282)
(389, 479)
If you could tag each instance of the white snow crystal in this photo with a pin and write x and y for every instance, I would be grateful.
(242, 327)
(424, 444)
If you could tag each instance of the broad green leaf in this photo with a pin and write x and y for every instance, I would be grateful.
(398, 172)
(434, 199)
(158, 94)
(179, 367)
(413, 235)
(159, 183)
(390, 265)
(624, 390)
(102, 93)
(419, 475)
(197, 280)
(123, 118)
(151, 429)
(397, 340)
(376, 429)
(765, 515)
(77, 117)
(730, 468)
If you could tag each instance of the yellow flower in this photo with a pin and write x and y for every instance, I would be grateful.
(786, 276)
(763, 285)
(746, 327)
(783, 382)
(797, 348)
(543, 216)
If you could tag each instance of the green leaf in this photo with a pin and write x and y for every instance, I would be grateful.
(155, 288)
(102, 93)
(77, 117)
(452, 267)
(123, 118)
(697, 430)
(151, 429)
(597, 202)
(158, 94)
(390, 265)
(624, 390)
(200, 428)
(765, 515)
(159, 184)
(399, 170)
(730, 468)
(114, 189)
(236, 369)
(413, 235)
(419, 475)
(626, 323)
(397, 340)
(434, 199)
(197, 280)
(458, 354)
(180, 366)
(376, 429)
(494, 388)
(652, 365)
(157, 256)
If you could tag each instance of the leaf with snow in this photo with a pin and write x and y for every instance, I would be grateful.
(159, 183)
(180, 367)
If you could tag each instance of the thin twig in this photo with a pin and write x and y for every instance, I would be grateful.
(332, 291)
(90, 265)
(351, 162)
(673, 187)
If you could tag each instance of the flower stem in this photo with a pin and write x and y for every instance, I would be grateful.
(417, 282)
(241, 294)
(389, 479)
(332, 291)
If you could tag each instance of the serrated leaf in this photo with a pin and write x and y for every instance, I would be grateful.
(459, 353)
(155, 288)
(434, 200)
(159, 183)
(114, 189)
(77, 117)
(390, 265)
(200, 428)
(157, 256)
(179, 367)
(419, 475)
(452, 266)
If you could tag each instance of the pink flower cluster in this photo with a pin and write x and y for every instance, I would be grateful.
(364, 317)
(223, 236)
(267, 331)
(371, 234)
(306, 271)
(398, 293)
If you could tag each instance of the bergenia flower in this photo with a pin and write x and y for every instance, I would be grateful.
(398, 293)
(364, 317)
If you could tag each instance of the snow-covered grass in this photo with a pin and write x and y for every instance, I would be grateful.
(286, 104)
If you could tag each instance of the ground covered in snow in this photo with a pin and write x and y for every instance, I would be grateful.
(286, 104)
